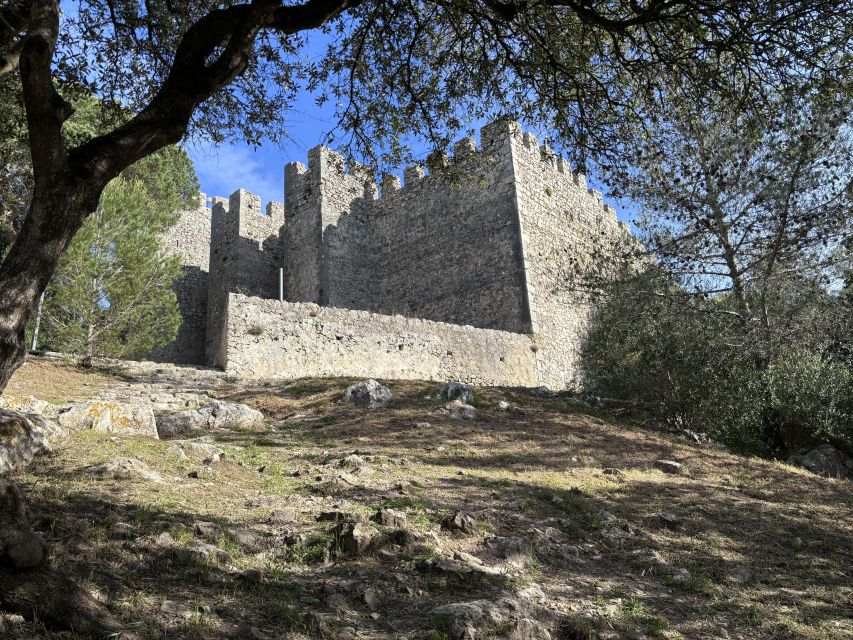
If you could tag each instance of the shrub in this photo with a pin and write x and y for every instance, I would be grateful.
(695, 365)
(811, 399)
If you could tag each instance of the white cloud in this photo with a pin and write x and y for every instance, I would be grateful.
(224, 169)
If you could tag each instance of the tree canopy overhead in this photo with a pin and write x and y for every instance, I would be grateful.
(429, 68)
(582, 68)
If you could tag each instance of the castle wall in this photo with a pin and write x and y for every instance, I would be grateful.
(567, 232)
(245, 256)
(190, 239)
(270, 339)
(323, 271)
(444, 247)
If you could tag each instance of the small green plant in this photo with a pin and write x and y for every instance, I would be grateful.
(256, 330)
(313, 551)
(632, 607)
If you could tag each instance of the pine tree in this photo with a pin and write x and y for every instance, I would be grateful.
(112, 292)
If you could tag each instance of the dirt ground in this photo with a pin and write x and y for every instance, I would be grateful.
(756, 549)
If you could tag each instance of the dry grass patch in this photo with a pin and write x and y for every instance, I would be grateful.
(761, 550)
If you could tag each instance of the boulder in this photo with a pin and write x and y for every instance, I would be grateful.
(460, 411)
(825, 460)
(668, 466)
(23, 548)
(457, 391)
(460, 521)
(20, 546)
(356, 538)
(390, 518)
(25, 436)
(216, 415)
(107, 416)
(515, 615)
(127, 468)
(368, 393)
(29, 404)
(505, 548)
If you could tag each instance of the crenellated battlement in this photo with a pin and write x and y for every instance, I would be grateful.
(488, 236)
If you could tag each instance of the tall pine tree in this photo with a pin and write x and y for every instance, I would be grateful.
(112, 292)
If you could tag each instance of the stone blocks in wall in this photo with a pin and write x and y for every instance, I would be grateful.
(489, 238)
(269, 339)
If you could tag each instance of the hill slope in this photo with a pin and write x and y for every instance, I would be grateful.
(567, 527)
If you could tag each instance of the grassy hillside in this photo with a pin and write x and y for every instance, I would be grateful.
(728, 548)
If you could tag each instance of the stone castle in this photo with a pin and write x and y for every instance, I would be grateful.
(466, 273)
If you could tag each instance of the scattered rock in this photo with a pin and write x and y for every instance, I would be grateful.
(515, 614)
(668, 466)
(504, 548)
(216, 415)
(670, 521)
(649, 559)
(460, 411)
(460, 521)
(540, 391)
(356, 538)
(206, 450)
(457, 391)
(244, 537)
(465, 566)
(127, 468)
(368, 393)
(177, 609)
(423, 425)
(371, 598)
(178, 450)
(825, 460)
(254, 576)
(207, 529)
(209, 551)
(680, 576)
(200, 473)
(25, 436)
(503, 405)
(257, 634)
(23, 548)
(390, 518)
(282, 516)
(108, 416)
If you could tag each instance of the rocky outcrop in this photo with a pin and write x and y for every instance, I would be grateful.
(216, 415)
(516, 615)
(107, 416)
(24, 436)
(825, 460)
(368, 393)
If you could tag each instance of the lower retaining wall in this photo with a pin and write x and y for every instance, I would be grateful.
(272, 339)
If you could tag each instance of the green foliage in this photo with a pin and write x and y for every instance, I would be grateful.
(111, 294)
(692, 363)
(811, 397)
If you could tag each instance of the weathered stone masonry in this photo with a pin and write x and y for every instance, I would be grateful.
(466, 273)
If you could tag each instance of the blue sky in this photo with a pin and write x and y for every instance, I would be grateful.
(224, 168)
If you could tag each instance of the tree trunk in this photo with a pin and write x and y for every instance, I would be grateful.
(41, 592)
(56, 212)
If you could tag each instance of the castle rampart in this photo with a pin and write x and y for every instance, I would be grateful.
(493, 238)
(271, 339)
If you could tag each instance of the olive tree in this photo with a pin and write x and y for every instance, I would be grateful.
(428, 68)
